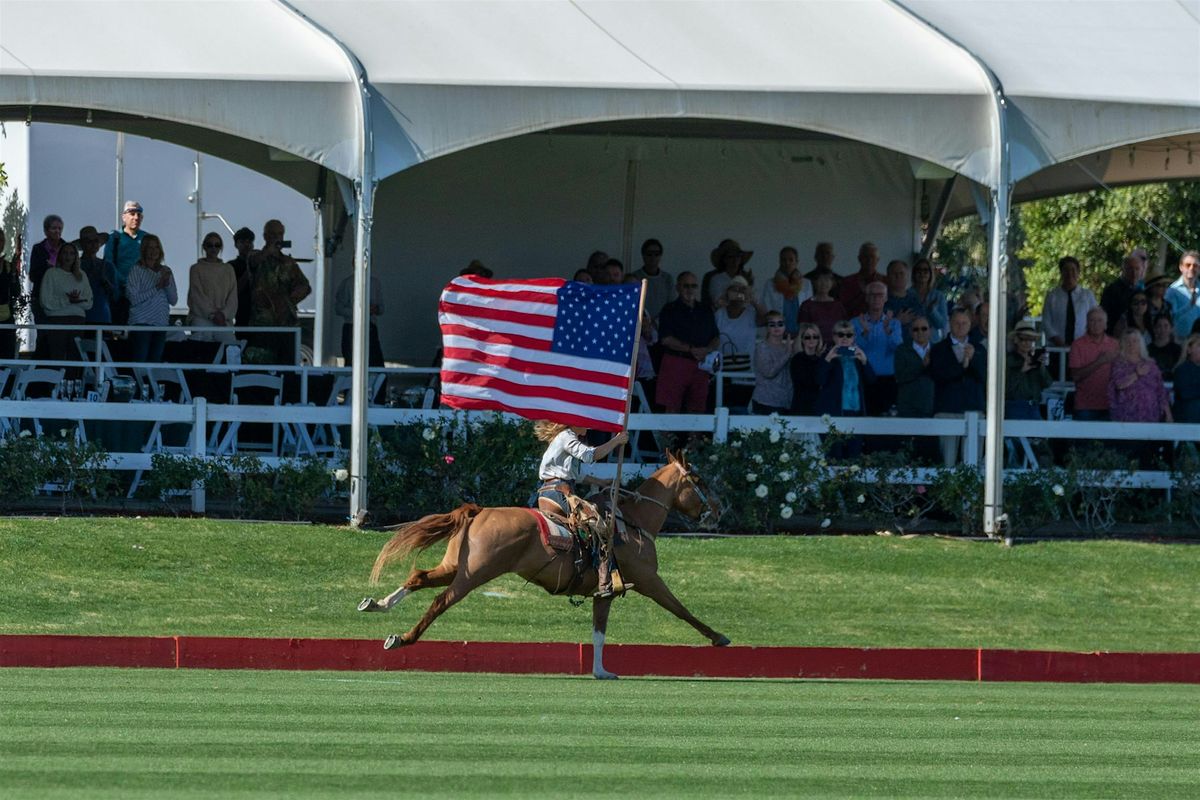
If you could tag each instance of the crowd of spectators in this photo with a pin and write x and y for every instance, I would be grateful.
(892, 343)
(870, 343)
(130, 284)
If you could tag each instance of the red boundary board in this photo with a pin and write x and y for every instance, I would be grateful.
(970, 664)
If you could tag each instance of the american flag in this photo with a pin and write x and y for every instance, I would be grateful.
(543, 349)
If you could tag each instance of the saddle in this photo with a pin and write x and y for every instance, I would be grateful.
(560, 534)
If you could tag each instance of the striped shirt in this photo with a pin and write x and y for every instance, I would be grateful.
(148, 304)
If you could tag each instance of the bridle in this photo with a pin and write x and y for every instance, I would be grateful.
(690, 478)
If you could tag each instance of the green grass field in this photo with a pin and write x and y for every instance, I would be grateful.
(199, 577)
(103, 733)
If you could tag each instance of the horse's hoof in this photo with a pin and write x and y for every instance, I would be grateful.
(604, 676)
(369, 604)
(392, 642)
(721, 641)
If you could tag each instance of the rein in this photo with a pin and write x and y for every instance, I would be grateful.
(688, 477)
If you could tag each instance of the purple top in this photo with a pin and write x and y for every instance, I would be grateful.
(1143, 401)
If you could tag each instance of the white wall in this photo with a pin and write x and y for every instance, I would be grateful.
(539, 205)
(71, 171)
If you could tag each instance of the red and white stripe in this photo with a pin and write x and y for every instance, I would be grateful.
(496, 338)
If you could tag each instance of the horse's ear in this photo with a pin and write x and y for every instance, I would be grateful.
(683, 459)
(671, 457)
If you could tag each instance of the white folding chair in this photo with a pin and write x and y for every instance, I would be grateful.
(284, 435)
(641, 405)
(272, 385)
(50, 383)
(86, 345)
(325, 437)
(163, 383)
(159, 379)
(6, 426)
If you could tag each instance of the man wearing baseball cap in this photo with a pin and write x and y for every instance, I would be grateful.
(123, 249)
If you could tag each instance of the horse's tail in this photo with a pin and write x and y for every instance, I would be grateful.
(422, 533)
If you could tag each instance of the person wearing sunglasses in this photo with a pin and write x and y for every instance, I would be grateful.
(1137, 317)
(844, 375)
(804, 367)
(212, 291)
(688, 333)
(914, 384)
(772, 379)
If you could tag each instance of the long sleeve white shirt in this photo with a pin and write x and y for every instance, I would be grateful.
(565, 457)
(1054, 312)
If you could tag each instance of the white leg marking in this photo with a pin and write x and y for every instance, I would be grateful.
(598, 670)
(393, 598)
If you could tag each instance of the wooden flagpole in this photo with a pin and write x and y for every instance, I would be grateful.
(637, 341)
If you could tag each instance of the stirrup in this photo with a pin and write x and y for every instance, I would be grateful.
(618, 589)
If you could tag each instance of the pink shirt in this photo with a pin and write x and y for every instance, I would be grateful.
(1091, 393)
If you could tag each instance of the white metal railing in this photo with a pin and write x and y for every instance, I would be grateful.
(198, 333)
(201, 413)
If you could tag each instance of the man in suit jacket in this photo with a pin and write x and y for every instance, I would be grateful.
(914, 384)
(959, 371)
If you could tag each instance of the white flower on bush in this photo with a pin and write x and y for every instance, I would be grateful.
(790, 497)
(25, 434)
(429, 434)
(773, 416)
(751, 477)
(774, 437)
(860, 499)
(761, 491)
(786, 512)
(1058, 490)
(826, 419)
(63, 432)
(824, 463)
(825, 523)
(784, 458)
(757, 458)
(854, 467)
(737, 443)
(340, 475)
(785, 476)
(712, 459)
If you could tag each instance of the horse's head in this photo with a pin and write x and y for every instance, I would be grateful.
(693, 498)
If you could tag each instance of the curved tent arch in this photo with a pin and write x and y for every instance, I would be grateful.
(291, 90)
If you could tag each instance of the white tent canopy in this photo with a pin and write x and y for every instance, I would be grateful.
(996, 91)
(1080, 77)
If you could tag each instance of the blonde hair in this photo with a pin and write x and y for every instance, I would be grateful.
(545, 430)
(75, 268)
(1189, 343)
(804, 328)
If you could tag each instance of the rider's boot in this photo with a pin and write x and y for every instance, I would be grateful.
(604, 587)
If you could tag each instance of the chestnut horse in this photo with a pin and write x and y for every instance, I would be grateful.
(485, 543)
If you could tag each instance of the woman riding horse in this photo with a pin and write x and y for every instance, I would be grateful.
(562, 468)
(485, 543)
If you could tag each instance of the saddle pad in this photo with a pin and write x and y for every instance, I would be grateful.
(554, 535)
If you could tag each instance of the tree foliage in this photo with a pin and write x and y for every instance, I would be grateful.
(1098, 227)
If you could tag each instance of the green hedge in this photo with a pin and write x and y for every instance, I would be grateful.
(769, 481)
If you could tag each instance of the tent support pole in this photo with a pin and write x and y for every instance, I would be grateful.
(365, 195)
(364, 191)
(993, 479)
(993, 486)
